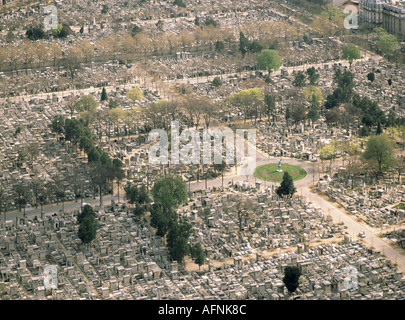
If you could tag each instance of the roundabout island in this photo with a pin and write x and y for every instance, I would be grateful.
(271, 172)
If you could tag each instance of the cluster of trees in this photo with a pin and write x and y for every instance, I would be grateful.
(91, 116)
(103, 169)
(136, 41)
(192, 109)
(329, 22)
(87, 224)
(139, 196)
(378, 156)
(386, 43)
(247, 46)
(343, 92)
(300, 78)
(168, 193)
(249, 102)
(36, 33)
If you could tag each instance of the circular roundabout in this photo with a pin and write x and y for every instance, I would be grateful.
(269, 172)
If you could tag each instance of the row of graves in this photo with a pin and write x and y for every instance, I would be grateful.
(388, 96)
(55, 79)
(376, 204)
(127, 261)
(32, 152)
(241, 219)
(186, 65)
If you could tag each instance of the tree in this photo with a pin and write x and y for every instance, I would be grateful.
(379, 130)
(58, 124)
(137, 195)
(136, 30)
(159, 221)
(255, 46)
(135, 94)
(333, 116)
(211, 22)
(177, 240)
(72, 59)
(243, 44)
(269, 60)
(169, 192)
(197, 254)
(314, 95)
(73, 130)
(35, 33)
(291, 278)
(286, 188)
(104, 95)
(313, 114)
(328, 152)
(364, 131)
(179, 3)
(10, 36)
(380, 152)
(248, 101)
(371, 77)
(387, 43)
(118, 173)
(85, 212)
(287, 113)
(299, 80)
(216, 82)
(351, 52)
(269, 105)
(105, 9)
(62, 31)
(298, 113)
(102, 172)
(312, 76)
(330, 11)
(86, 103)
(87, 229)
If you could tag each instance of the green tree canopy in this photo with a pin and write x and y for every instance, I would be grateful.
(269, 60)
(177, 240)
(291, 278)
(313, 92)
(286, 188)
(86, 103)
(387, 43)
(103, 95)
(86, 211)
(135, 94)
(87, 224)
(380, 152)
(169, 192)
(299, 80)
(197, 254)
(351, 52)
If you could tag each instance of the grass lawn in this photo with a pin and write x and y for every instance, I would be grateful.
(269, 172)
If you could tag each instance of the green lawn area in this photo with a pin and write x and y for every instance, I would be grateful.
(269, 172)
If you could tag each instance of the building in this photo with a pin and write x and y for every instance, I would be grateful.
(394, 19)
(371, 12)
(389, 14)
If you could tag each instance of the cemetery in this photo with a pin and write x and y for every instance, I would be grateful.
(126, 261)
(76, 114)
